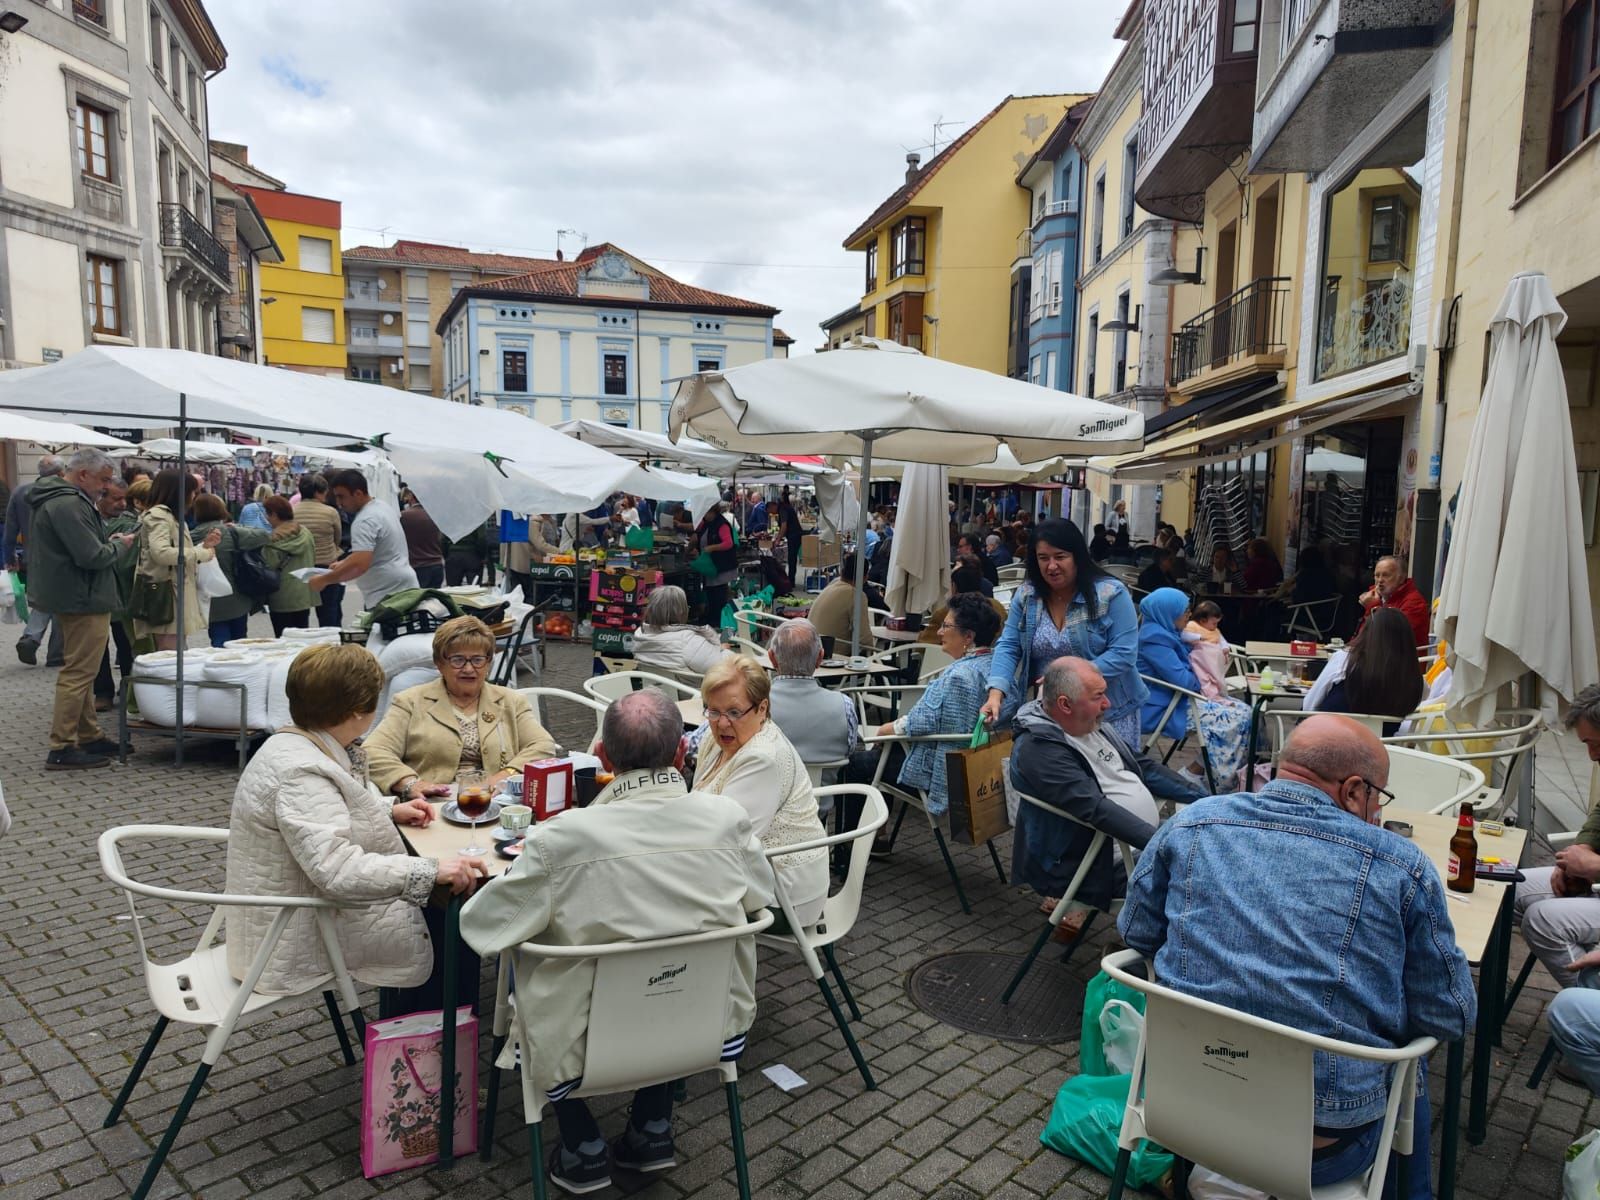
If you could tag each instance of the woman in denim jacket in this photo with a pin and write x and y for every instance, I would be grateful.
(1068, 605)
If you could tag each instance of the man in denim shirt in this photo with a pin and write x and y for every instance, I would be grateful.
(1292, 905)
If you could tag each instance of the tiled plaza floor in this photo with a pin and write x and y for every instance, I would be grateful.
(956, 1115)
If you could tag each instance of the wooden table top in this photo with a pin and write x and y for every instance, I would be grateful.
(1280, 650)
(895, 635)
(1473, 914)
(444, 840)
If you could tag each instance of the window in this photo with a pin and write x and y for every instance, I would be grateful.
(614, 370)
(93, 11)
(1577, 89)
(1130, 168)
(363, 333)
(102, 294)
(416, 287)
(1091, 352)
(1099, 216)
(175, 67)
(905, 319)
(1246, 20)
(1040, 203)
(416, 331)
(872, 266)
(707, 364)
(194, 94)
(1049, 378)
(156, 42)
(1038, 285)
(513, 370)
(200, 202)
(93, 133)
(1033, 369)
(1386, 235)
(419, 378)
(364, 374)
(1119, 377)
(316, 254)
(907, 242)
(316, 325)
(1054, 298)
(183, 186)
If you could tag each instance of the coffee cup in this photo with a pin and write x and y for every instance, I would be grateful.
(515, 818)
(512, 786)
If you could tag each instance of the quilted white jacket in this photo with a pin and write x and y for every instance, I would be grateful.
(304, 825)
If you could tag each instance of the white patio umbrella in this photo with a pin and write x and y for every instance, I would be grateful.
(1515, 598)
(919, 555)
(20, 427)
(875, 397)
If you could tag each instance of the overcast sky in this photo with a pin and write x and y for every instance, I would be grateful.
(731, 143)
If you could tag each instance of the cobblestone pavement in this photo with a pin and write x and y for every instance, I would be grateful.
(956, 1115)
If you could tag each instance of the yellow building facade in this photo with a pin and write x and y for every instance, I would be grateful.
(303, 318)
(938, 251)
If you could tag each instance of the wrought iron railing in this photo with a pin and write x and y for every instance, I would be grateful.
(180, 231)
(1376, 326)
(1250, 321)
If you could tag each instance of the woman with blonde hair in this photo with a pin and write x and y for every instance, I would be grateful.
(458, 722)
(254, 515)
(164, 542)
(745, 757)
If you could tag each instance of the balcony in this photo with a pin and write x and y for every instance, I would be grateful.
(1199, 87)
(364, 341)
(365, 294)
(1247, 324)
(186, 240)
(1328, 69)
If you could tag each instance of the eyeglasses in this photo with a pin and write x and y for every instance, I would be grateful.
(948, 627)
(733, 714)
(1388, 796)
(458, 661)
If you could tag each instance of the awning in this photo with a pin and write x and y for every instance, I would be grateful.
(1216, 402)
(1244, 435)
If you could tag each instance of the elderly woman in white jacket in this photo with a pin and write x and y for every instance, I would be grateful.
(666, 640)
(744, 756)
(306, 822)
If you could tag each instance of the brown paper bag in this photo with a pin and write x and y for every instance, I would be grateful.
(977, 788)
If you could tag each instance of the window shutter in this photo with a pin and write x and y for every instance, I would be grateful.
(316, 324)
(316, 254)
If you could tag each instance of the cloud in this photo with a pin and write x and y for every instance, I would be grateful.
(733, 143)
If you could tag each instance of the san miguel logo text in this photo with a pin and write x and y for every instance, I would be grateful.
(669, 973)
(1225, 1052)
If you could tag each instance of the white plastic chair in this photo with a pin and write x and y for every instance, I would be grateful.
(643, 1029)
(198, 989)
(1251, 1120)
(1064, 905)
(840, 911)
(537, 695)
(1509, 741)
(1012, 573)
(1423, 782)
(749, 649)
(910, 798)
(1180, 695)
(618, 684)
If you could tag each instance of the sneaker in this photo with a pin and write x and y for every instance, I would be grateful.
(644, 1150)
(579, 1173)
(103, 746)
(28, 651)
(74, 758)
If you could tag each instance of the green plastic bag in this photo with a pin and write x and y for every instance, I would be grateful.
(1091, 1047)
(19, 590)
(1086, 1121)
(638, 537)
(980, 735)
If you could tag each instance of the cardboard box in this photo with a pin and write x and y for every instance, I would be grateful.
(621, 587)
(613, 641)
(553, 572)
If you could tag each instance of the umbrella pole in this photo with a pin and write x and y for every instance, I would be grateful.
(861, 548)
(183, 496)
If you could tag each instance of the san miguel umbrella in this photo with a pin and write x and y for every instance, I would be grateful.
(875, 397)
(1515, 599)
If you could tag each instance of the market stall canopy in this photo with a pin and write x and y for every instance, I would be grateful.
(1003, 470)
(19, 427)
(1515, 597)
(491, 454)
(911, 407)
(644, 445)
(195, 452)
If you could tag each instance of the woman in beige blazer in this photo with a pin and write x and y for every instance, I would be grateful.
(163, 541)
(458, 722)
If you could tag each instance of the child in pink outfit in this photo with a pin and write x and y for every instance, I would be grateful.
(1208, 650)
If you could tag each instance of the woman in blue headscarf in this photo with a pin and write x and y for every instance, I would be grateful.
(1164, 656)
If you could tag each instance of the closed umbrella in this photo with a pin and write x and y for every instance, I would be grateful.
(874, 397)
(919, 555)
(1515, 598)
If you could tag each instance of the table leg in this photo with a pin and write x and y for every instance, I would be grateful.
(1503, 962)
(1250, 755)
(447, 1051)
(1450, 1119)
(1491, 990)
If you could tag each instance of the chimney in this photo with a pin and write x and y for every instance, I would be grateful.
(559, 256)
(913, 161)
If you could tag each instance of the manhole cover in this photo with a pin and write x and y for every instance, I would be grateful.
(964, 990)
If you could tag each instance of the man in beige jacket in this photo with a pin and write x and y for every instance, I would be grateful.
(647, 859)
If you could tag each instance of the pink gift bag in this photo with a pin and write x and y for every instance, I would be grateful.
(400, 1091)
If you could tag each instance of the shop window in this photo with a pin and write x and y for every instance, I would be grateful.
(1369, 254)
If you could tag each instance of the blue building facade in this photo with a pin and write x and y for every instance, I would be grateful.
(1045, 271)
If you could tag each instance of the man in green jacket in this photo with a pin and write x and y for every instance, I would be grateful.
(114, 512)
(72, 576)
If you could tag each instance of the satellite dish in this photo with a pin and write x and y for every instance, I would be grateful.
(388, 318)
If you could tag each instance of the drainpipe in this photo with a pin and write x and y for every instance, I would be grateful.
(1426, 566)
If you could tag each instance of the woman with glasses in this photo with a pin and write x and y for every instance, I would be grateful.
(744, 756)
(458, 722)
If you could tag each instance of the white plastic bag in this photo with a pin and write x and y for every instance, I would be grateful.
(1121, 1025)
(1206, 1184)
(1580, 1178)
(8, 601)
(212, 579)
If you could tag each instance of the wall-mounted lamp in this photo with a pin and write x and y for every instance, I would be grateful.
(1125, 326)
(1171, 274)
(11, 21)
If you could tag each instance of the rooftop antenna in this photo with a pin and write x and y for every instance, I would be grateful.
(583, 239)
(939, 125)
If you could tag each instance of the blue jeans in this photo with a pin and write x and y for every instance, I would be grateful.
(223, 632)
(1356, 1153)
(1575, 1027)
(330, 606)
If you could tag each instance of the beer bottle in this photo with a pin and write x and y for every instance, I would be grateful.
(1463, 873)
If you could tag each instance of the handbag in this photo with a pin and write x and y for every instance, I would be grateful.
(976, 781)
(400, 1087)
(152, 601)
(251, 575)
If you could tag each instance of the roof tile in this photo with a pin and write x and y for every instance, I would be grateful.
(435, 254)
(559, 281)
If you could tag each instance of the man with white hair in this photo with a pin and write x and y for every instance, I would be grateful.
(820, 724)
(1393, 588)
(14, 555)
(72, 576)
(997, 550)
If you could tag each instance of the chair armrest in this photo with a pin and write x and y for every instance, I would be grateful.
(873, 739)
(1563, 839)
